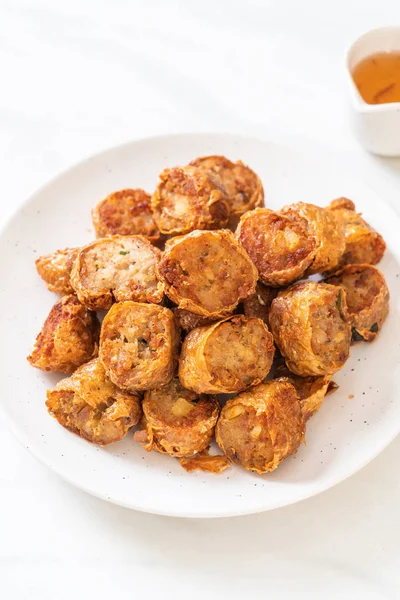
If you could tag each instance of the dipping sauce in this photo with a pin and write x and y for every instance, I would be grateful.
(377, 78)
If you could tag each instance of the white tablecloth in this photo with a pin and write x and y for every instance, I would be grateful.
(77, 76)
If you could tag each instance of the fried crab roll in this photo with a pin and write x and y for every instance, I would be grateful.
(243, 187)
(55, 270)
(281, 248)
(207, 272)
(126, 212)
(177, 421)
(89, 404)
(259, 303)
(69, 337)
(310, 390)
(226, 357)
(310, 325)
(328, 232)
(139, 345)
(117, 268)
(363, 244)
(367, 298)
(188, 198)
(259, 428)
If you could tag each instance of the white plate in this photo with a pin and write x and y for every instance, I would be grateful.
(346, 433)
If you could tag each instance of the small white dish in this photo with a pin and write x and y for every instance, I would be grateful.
(353, 425)
(377, 126)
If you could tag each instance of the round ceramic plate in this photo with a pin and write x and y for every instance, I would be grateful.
(351, 428)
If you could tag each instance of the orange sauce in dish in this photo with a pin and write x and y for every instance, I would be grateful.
(377, 78)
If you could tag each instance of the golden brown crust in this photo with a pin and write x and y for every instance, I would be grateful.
(126, 212)
(367, 298)
(259, 303)
(332, 387)
(207, 272)
(139, 345)
(90, 405)
(69, 337)
(204, 461)
(188, 198)
(117, 268)
(364, 245)
(310, 326)
(177, 421)
(262, 426)
(310, 390)
(342, 203)
(328, 232)
(243, 187)
(55, 270)
(281, 248)
(228, 356)
(187, 320)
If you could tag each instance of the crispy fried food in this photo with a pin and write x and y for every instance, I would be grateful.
(328, 232)
(243, 187)
(262, 426)
(55, 270)
(310, 390)
(363, 244)
(207, 272)
(69, 337)
(188, 198)
(177, 421)
(281, 248)
(117, 268)
(309, 322)
(89, 404)
(187, 320)
(332, 387)
(139, 345)
(259, 303)
(126, 212)
(227, 356)
(367, 298)
(342, 204)
(204, 461)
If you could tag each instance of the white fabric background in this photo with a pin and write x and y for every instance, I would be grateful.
(77, 76)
